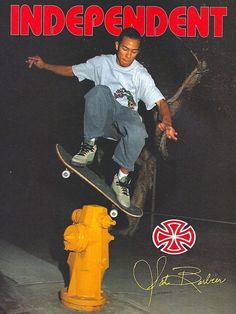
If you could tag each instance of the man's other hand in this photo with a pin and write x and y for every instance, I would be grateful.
(170, 131)
(35, 60)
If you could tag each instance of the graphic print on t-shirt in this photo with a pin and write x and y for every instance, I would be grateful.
(122, 92)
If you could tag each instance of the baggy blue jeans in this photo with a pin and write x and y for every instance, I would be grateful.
(106, 117)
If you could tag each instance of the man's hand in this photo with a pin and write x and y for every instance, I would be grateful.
(165, 125)
(170, 131)
(64, 70)
(37, 61)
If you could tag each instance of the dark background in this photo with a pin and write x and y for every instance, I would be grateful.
(40, 109)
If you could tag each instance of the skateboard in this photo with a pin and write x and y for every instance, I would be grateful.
(96, 182)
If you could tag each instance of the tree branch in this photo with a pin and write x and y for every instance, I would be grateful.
(147, 160)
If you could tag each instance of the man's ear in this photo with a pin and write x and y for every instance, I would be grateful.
(117, 45)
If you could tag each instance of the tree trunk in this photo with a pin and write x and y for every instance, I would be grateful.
(147, 160)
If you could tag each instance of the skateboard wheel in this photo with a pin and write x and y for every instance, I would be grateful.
(65, 174)
(114, 213)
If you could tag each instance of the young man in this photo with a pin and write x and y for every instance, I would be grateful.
(111, 106)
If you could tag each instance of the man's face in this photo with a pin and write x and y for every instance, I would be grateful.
(127, 51)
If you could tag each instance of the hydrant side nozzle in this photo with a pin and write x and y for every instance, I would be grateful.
(107, 222)
(76, 214)
(75, 238)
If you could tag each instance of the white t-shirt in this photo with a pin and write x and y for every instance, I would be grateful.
(127, 84)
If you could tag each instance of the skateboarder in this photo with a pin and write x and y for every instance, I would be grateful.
(111, 106)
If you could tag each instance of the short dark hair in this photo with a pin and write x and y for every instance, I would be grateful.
(131, 33)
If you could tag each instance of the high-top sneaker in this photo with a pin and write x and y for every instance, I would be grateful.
(86, 154)
(121, 189)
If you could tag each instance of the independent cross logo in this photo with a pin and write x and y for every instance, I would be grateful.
(174, 236)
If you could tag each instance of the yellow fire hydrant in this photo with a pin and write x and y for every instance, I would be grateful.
(87, 239)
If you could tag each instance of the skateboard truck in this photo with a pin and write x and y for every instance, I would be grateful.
(67, 173)
(96, 182)
(113, 212)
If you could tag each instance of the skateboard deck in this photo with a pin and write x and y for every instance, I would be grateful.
(95, 181)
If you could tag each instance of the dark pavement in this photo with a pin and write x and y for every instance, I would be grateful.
(33, 270)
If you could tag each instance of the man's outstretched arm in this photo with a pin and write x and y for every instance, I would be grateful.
(37, 61)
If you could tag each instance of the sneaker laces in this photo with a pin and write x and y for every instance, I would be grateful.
(86, 148)
(124, 186)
